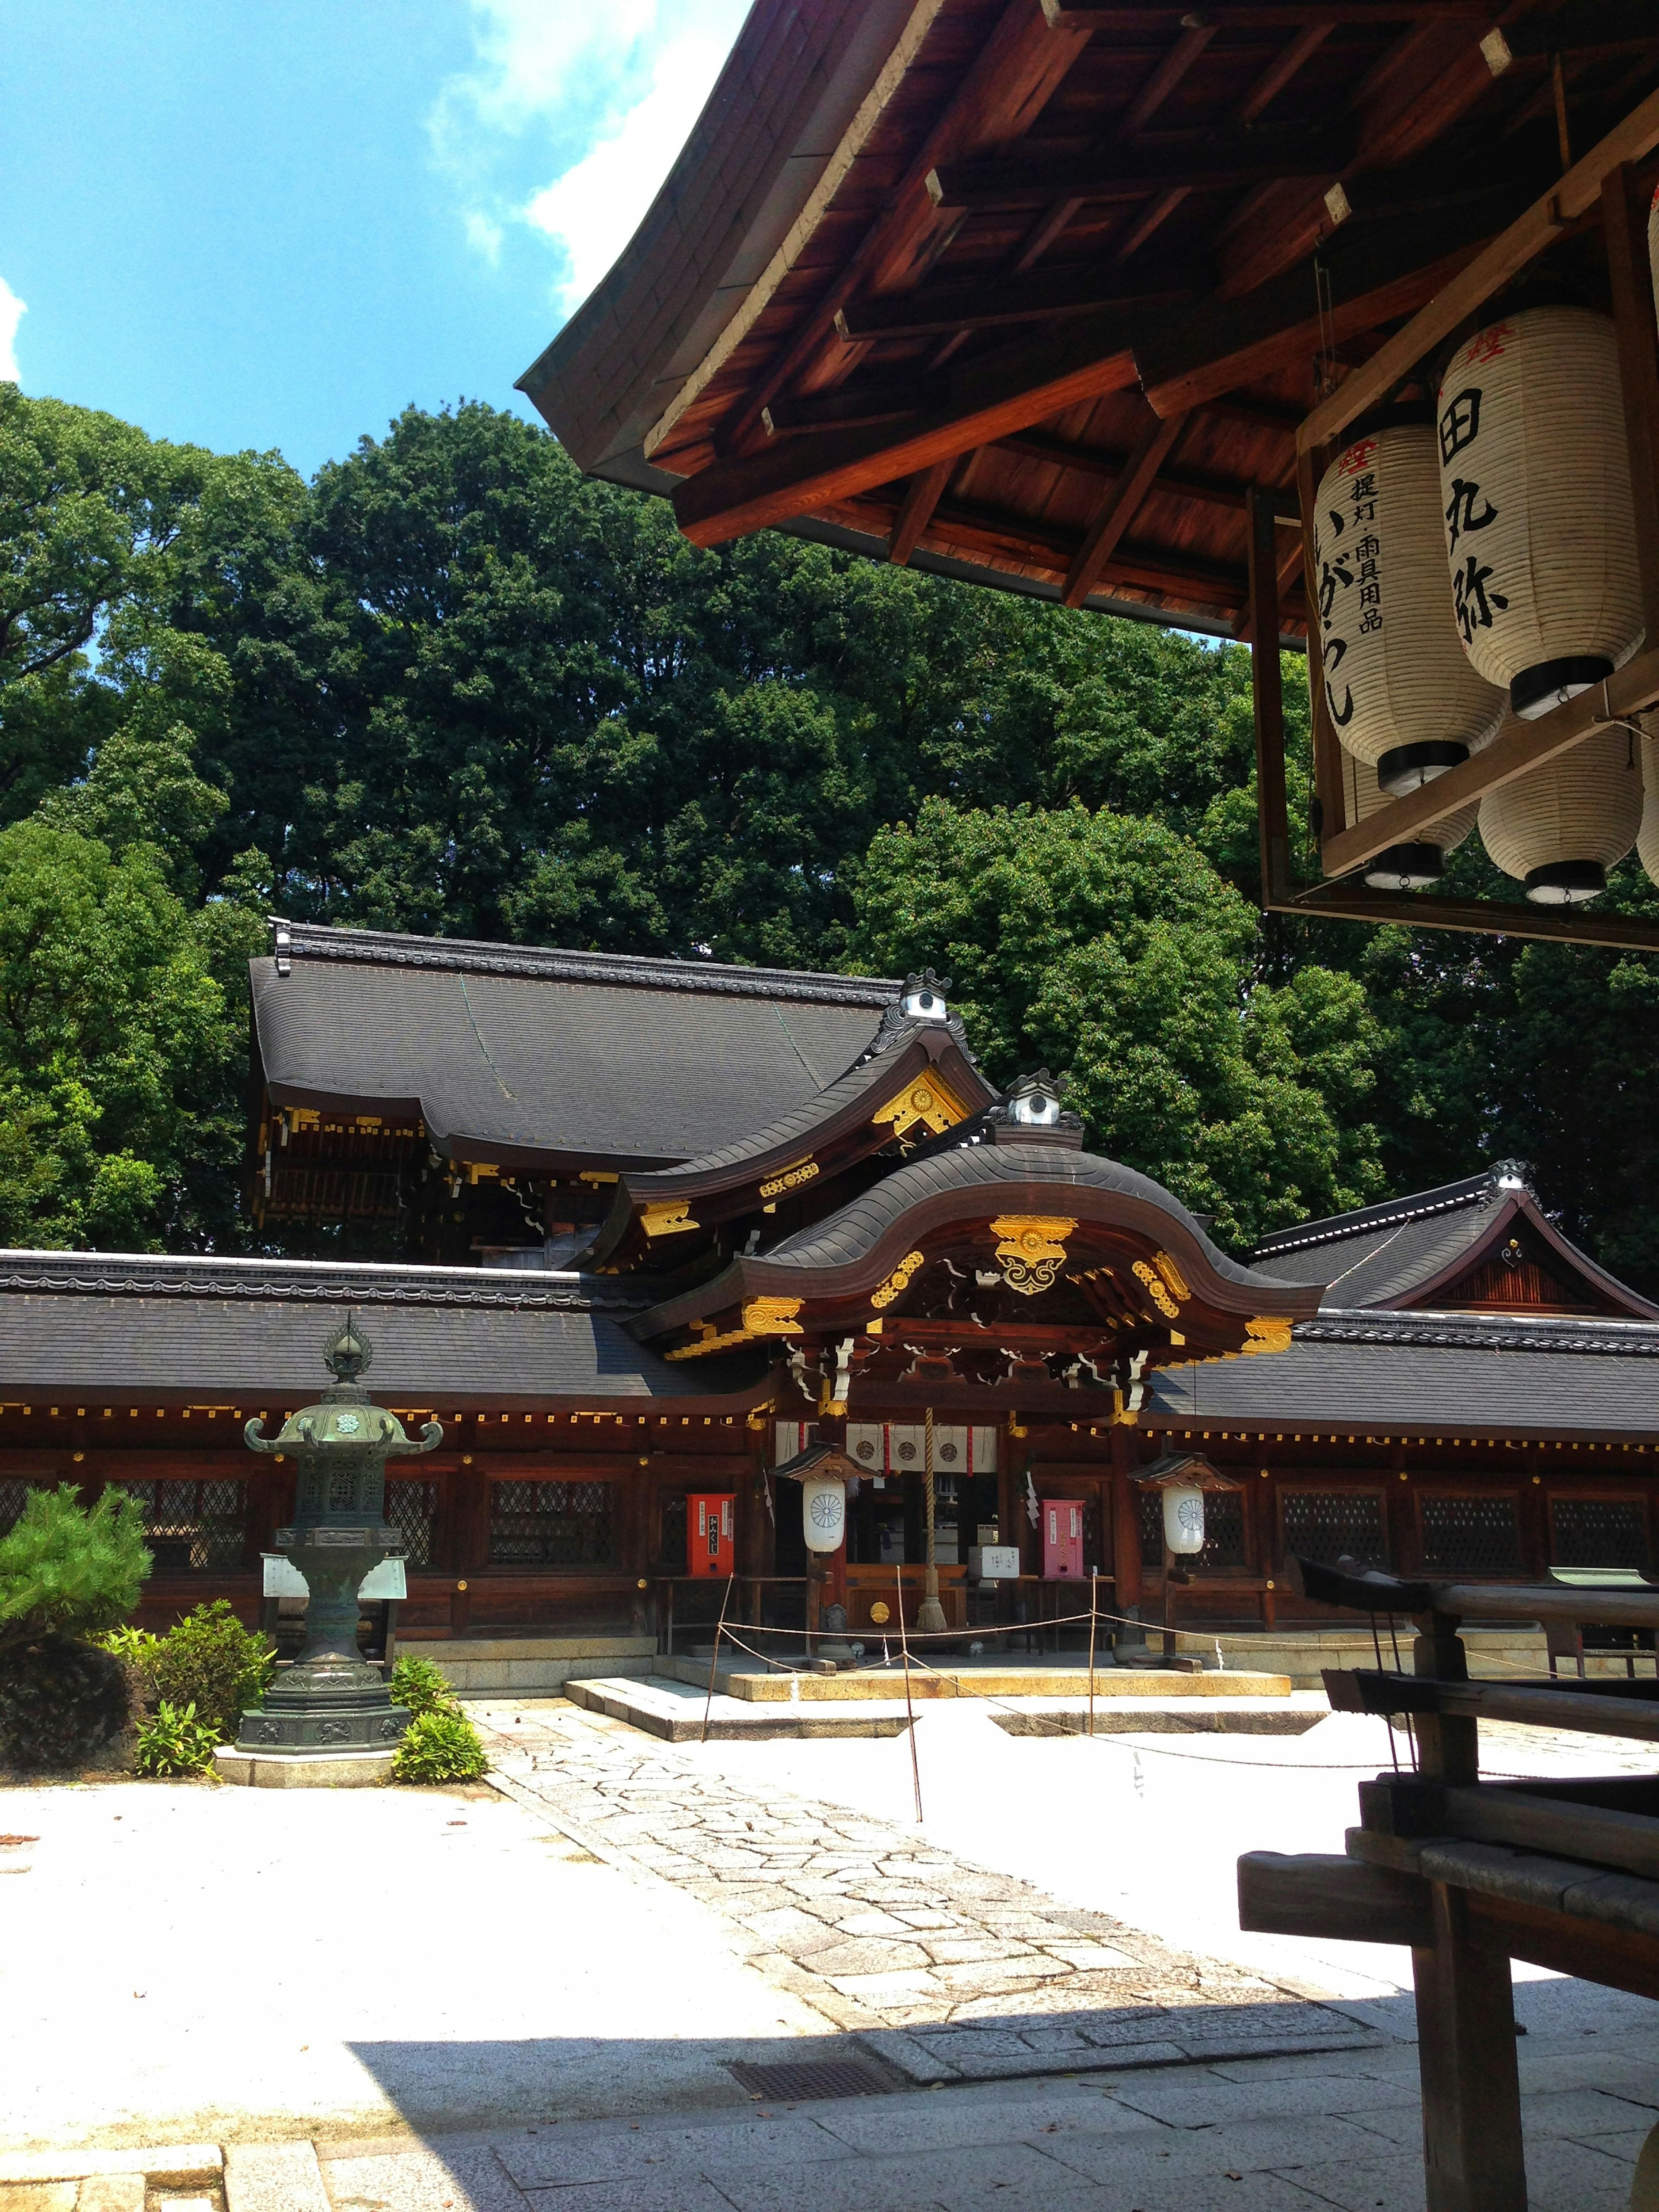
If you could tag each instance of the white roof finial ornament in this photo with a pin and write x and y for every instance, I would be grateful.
(923, 999)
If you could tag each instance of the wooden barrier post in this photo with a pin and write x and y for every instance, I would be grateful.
(1472, 2151)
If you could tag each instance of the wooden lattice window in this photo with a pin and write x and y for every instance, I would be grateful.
(671, 1551)
(194, 1527)
(1599, 1532)
(1470, 1535)
(1224, 1532)
(412, 1509)
(1329, 1525)
(551, 1524)
(14, 1497)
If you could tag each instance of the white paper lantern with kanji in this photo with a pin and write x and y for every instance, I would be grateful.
(1535, 501)
(1561, 827)
(1406, 867)
(1400, 689)
(1647, 838)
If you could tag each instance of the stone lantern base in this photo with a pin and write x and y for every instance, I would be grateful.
(303, 1770)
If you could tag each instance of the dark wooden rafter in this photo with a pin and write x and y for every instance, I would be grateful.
(1193, 160)
(1118, 510)
(1110, 461)
(981, 303)
(922, 496)
(1010, 83)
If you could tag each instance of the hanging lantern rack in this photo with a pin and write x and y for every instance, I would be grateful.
(1602, 190)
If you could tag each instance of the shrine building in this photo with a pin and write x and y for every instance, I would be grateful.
(637, 1231)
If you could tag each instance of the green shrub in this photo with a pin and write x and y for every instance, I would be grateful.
(63, 1705)
(134, 1647)
(419, 1687)
(439, 1747)
(68, 1571)
(174, 1741)
(211, 1662)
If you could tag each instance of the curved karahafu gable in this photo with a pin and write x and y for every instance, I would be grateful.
(1019, 1265)
(917, 1080)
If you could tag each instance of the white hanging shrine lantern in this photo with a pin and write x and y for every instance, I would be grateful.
(1535, 498)
(1402, 694)
(823, 1512)
(1183, 1517)
(1406, 867)
(1560, 828)
(1647, 838)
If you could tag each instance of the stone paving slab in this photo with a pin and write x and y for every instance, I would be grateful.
(953, 1973)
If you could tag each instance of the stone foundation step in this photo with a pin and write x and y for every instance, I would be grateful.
(1498, 1654)
(867, 1684)
(529, 1666)
(673, 1710)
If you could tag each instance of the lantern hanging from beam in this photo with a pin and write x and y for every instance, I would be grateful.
(1539, 523)
(1406, 867)
(1562, 826)
(823, 1512)
(1183, 1518)
(1647, 838)
(1405, 700)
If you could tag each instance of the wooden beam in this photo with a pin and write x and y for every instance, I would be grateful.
(1267, 696)
(989, 398)
(1003, 91)
(1110, 461)
(1524, 239)
(1187, 160)
(1624, 228)
(857, 406)
(1148, 18)
(993, 298)
(1584, 26)
(1472, 917)
(1118, 510)
(1168, 74)
(1040, 544)
(1282, 67)
(922, 496)
(1517, 749)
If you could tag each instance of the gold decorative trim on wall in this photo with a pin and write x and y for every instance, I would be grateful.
(790, 1178)
(897, 1281)
(1172, 1275)
(1031, 1247)
(1267, 1332)
(667, 1217)
(1143, 1272)
(927, 1102)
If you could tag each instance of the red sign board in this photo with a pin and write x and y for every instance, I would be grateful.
(710, 1527)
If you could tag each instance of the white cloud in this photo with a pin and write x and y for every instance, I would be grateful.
(603, 96)
(12, 311)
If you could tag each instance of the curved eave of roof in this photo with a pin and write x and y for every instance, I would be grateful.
(796, 78)
(856, 1247)
(840, 1109)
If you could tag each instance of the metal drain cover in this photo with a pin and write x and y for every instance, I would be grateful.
(801, 2084)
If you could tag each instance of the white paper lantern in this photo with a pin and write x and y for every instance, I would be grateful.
(823, 1512)
(1647, 838)
(1560, 828)
(1535, 499)
(1406, 867)
(1401, 693)
(1183, 1517)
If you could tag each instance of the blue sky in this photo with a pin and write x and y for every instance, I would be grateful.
(275, 225)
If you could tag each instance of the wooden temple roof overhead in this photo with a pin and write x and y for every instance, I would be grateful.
(1037, 291)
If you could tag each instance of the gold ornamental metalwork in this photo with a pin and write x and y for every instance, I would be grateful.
(771, 1317)
(790, 1178)
(1266, 1332)
(667, 1217)
(1145, 1273)
(1172, 1275)
(1031, 1247)
(897, 1281)
(927, 1102)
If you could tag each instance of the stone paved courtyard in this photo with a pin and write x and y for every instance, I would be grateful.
(949, 1970)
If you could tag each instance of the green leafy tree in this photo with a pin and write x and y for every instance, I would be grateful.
(1111, 948)
(68, 1570)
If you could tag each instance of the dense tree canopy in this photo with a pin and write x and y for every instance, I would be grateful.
(452, 686)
